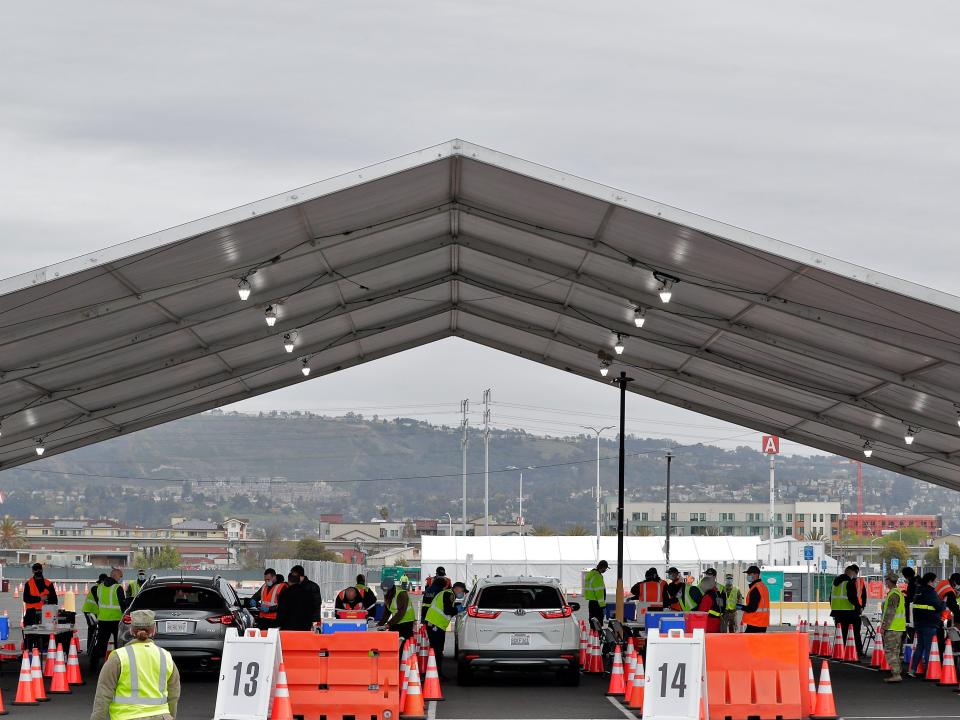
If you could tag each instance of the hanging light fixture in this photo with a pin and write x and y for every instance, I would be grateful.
(639, 316)
(289, 339)
(270, 315)
(666, 290)
(40, 447)
(619, 347)
(243, 289)
(604, 367)
(867, 449)
(305, 369)
(958, 415)
(909, 436)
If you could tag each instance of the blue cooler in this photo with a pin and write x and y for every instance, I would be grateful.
(335, 626)
(4, 628)
(665, 621)
(629, 611)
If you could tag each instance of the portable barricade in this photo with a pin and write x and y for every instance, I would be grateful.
(758, 675)
(343, 675)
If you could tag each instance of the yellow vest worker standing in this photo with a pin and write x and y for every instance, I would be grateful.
(442, 608)
(595, 591)
(732, 599)
(140, 680)
(756, 611)
(110, 604)
(893, 624)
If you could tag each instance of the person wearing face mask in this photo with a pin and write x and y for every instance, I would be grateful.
(295, 608)
(133, 587)
(37, 592)
(399, 615)
(268, 598)
(732, 599)
(756, 610)
(442, 608)
(673, 591)
(845, 604)
(110, 603)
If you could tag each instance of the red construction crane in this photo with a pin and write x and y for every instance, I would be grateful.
(859, 521)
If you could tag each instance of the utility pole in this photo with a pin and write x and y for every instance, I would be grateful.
(598, 431)
(486, 462)
(773, 464)
(622, 382)
(666, 539)
(464, 409)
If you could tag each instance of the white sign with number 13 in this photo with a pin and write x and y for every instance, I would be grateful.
(247, 675)
(676, 676)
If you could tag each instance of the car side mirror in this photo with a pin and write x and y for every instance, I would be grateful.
(574, 606)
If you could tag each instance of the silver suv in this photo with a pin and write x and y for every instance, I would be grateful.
(193, 614)
(518, 623)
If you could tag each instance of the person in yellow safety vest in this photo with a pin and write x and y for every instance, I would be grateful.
(893, 624)
(595, 591)
(133, 587)
(756, 610)
(439, 613)
(140, 680)
(731, 598)
(267, 598)
(110, 604)
(689, 597)
(398, 614)
(845, 603)
(861, 586)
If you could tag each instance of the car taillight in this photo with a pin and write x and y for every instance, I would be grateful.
(474, 612)
(221, 619)
(127, 619)
(566, 612)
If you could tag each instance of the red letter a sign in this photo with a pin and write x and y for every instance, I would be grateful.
(771, 444)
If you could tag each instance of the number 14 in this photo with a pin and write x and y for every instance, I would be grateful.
(679, 679)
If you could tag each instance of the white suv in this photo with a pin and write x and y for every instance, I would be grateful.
(518, 623)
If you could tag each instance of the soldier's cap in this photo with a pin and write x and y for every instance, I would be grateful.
(142, 619)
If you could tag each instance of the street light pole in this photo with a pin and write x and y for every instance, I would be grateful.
(520, 511)
(486, 462)
(666, 539)
(464, 409)
(598, 431)
(622, 382)
(449, 524)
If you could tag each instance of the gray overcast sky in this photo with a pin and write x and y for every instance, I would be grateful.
(828, 125)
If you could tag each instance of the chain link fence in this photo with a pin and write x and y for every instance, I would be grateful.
(332, 577)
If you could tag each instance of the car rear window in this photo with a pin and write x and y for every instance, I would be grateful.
(179, 597)
(513, 597)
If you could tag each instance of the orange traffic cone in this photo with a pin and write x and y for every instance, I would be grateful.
(811, 686)
(826, 708)
(850, 649)
(423, 654)
(282, 710)
(431, 681)
(36, 675)
(826, 641)
(933, 662)
(59, 684)
(25, 686)
(413, 707)
(875, 661)
(813, 635)
(51, 657)
(16, 591)
(838, 646)
(598, 655)
(884, 665)
(405, 679)
(636, 691)
(948, 673)
(73, 667)
(583, 648)
(630, 669)
(617, 686)
(591, 649)
(3, 710)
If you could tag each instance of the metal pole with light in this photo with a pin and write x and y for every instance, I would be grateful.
(666, 539)
(598, 431)
(520, 520)
(449, 524)
(622, 382)
(486, 462)
(464, 409)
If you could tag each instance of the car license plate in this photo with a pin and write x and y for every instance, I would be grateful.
(177, 626)
(520, 639)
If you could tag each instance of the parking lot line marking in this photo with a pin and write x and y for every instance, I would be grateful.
(626, 713)
(431, 709)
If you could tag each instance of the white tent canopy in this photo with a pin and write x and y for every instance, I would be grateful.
(459, 240)
(567, 557)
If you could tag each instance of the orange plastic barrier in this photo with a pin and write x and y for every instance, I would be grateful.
(762, 675)
(342, 675)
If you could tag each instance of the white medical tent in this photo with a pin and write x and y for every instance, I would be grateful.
(568, 557)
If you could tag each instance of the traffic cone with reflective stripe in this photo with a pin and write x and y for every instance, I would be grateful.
(431, 681)
(948, 673)
(812, 637)
(16, 591)
(826, 708)
(588, 668)
(826, 647)
(838, 646)
(811, 686)
(583, 649)
(36, 674)
(25, 686)
(73, 666)
(51, 658)
(405, 679)
(884, 665)
(424, 653)
(850, 649)
(617, 686)
(629, 668)
(59, 684)
(636, 691)
(875, 661)
(933, 662)
(282, 709)
(597, 665)
(413, 707)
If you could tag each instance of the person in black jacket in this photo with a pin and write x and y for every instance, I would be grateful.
(368, 595)
(927, 607)
(314, 590)
(910, 576)
(845, 607)
(295, 611)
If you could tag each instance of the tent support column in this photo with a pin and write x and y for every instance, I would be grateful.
(622, 381)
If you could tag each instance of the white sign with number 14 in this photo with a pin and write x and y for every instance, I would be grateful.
(247, 675)
(676, 676)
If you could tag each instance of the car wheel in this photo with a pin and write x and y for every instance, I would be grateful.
(571, 676)
(464, 674)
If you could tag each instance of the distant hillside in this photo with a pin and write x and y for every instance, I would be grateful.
(413, 468)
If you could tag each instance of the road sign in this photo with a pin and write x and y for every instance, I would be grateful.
(895, 563)
(248, 672)
(676, 676)
(944, 551)
(771, 445)
(883, 567)
(823, 564)
(911, 562)
(808, 552)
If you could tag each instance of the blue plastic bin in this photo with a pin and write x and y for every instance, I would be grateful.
(629, 611)
(664, 621)
(4, 628)
(335, 626)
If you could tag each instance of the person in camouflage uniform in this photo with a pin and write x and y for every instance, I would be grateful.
(893, 624)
